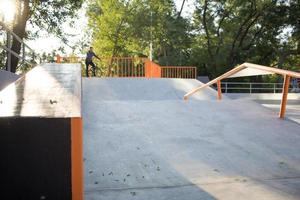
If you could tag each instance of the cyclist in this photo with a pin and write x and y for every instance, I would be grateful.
(89, 61)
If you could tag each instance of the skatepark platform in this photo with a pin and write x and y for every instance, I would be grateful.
(41, 135)
(142, 141)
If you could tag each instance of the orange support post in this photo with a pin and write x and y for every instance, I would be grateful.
(58, 58)
(77, 158)
(158, 72)
(285, 91)
(219, 90)
(147, 68)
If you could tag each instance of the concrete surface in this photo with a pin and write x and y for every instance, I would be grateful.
(6, 78)
(48, 90)
(147, 144)
(292, 108)
(133, 89)
(272, 101)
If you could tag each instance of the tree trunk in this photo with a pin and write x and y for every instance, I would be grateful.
(182, 5)
(19, 29)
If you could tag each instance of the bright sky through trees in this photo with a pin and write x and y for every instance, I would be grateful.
(7, 10)
(213, 35)
(47, 43)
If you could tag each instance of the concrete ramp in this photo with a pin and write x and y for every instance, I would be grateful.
(6, 78)
(123, 89)
(141, 141)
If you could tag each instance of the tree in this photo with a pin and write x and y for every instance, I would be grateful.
(126, 28)
(231, 32)
(220, 35)
(48, 15)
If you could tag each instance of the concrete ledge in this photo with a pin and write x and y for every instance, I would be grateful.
(48, 90)
(41, 134)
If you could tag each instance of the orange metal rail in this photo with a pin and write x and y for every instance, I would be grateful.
(125, 66)
(286, 73)
(137, 67)
(152, 69)
(179, 72)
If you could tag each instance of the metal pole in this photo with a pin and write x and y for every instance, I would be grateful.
(23, 54)
(285, 91)
(250, 88)
(8, 44)
(219, 89)
(151, 45)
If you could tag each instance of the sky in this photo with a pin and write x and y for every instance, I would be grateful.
(47, 42)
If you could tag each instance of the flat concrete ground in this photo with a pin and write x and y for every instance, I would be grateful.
(141, 141)
(292, 108)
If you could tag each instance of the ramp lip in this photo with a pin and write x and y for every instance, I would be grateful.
(48, 90)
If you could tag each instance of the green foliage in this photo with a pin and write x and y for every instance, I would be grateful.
(220, 35)
(126, 28)
(45, 15)
(50, 15)
(232, 32)
(2, 60)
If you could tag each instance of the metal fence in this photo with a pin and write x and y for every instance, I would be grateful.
(187, 72)
(133, 67)
(242, 87)
(27, 55)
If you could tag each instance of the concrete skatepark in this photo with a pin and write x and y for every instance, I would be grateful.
(142, 141)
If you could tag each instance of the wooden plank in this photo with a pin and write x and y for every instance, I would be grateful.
(285, 91)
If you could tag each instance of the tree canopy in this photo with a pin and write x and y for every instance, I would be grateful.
(220, 34)
(123, 28)
(46, 15)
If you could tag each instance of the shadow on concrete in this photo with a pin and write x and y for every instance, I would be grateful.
(169, 149)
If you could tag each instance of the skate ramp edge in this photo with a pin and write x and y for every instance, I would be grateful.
(119, 89)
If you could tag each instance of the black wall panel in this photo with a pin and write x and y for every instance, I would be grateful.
(35, 158)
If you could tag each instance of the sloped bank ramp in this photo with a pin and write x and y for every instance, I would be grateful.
(142, 141)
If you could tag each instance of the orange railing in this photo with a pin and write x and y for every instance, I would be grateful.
(152, 69)
(137, 67)
(125, 66)
(179, 72)
(253, 69)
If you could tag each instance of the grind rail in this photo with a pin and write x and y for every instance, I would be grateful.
(260, 70)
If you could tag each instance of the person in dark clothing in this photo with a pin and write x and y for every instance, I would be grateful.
(89, 61)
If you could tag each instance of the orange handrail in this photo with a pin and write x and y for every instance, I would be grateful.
(138, 67)
(179, 72)
(286, 73)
